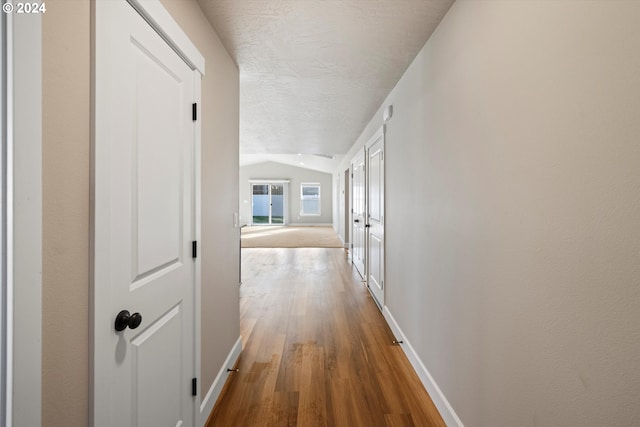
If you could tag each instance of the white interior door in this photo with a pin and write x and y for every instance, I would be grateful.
(144, 192)
(375, 223)
(358, 217)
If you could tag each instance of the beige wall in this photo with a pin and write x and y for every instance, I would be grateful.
(65, 289)
(66, 109)
(513, 211)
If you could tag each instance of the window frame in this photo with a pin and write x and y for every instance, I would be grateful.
(303, 197)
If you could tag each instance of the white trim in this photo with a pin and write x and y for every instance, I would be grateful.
(5, 132)
(311, 224)
(269, 181)
(345, 244)
(379, 134)
(361, 153)
(24, 220)
(164, 24)
(206, 407)
(197, 233)
(437, 396)
(302, 198)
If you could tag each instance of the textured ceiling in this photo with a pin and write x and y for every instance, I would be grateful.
(313, 72)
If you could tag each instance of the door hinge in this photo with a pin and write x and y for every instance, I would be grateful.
(194, 387)
(194, 249)
(194, 111)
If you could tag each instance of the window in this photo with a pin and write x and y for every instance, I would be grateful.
(309, 199)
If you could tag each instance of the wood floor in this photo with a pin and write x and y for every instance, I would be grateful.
(317, 351)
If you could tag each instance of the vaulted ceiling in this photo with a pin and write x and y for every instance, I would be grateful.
(313, 72)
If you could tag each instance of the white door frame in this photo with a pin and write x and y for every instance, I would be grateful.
(285, 198)
(380, 134)
(164, 24)
(3, 219)
(362, 153)
(21, 310)
(346, 196)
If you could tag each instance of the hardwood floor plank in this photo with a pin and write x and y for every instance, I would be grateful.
(316, 350)
(399, 420)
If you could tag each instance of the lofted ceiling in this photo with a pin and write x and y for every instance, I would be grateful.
(313, 72)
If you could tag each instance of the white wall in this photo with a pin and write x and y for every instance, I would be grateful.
(513, 211)
(296, 175)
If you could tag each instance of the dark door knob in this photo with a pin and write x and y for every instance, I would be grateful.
(124, 319)
(356, 220)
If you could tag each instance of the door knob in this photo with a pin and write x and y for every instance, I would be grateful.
(356, 220)
(124, 319)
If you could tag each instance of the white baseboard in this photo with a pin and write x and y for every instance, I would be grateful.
(214, 392)
(310, 224)
(344, 244)
(446, 410)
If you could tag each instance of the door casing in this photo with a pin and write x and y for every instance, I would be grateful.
(21, 128)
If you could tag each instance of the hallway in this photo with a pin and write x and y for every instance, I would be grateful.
(317, 351)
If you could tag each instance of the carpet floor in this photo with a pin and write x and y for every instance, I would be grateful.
(269, 236)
